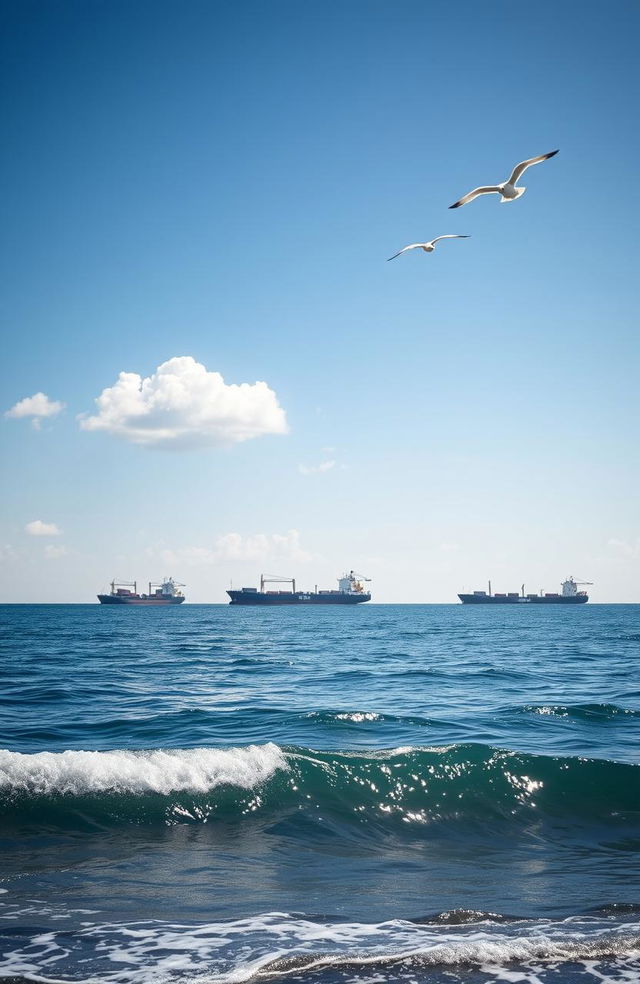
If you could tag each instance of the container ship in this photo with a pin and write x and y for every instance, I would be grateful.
(165, 592)
(351, 591)
(570, 596)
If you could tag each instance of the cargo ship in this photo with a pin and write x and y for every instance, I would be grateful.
(570, 596)
(165, 592)
(351, 591)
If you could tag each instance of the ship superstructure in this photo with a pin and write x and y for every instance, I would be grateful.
(165, 592)
(570, 596)
(351, 591)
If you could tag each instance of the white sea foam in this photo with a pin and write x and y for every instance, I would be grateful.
(278, 946)
(195, 770)
(357, 717)
(396, 942)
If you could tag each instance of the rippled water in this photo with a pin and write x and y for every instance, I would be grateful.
(380, 793)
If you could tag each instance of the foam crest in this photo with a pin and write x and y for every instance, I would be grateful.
(481, 953)
(581, 712)
(79, 773)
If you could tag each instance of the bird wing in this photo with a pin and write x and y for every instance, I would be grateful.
(521, 168)
(413, 246)
(487, 190)
(449, 236)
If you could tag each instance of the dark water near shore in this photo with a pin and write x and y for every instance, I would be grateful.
(410, 793)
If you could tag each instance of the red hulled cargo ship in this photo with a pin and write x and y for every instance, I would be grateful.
(166, 592)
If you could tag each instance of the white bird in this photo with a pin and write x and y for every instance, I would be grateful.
(427, 247)
(508, 189)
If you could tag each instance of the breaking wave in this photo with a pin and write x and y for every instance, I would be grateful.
(451, 954)
(407, 786)
(162, 772)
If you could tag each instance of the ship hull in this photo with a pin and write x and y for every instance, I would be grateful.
(141, 602)
(268, 599)
(469, 599)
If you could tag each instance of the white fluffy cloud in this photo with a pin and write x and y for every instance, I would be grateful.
(38, 528)
(37, 406)
(182, 405)
(324, 466)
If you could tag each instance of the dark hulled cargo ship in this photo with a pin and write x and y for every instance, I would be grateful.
(570, 596)
(165, 593)
(350, 592)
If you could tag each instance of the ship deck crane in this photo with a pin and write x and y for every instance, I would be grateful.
(272, 579)
(168, 581)
(124, 584)
(570, 587)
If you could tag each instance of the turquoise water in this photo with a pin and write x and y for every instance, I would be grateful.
(419, 793)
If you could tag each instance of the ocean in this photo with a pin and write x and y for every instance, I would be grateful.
(405, 793)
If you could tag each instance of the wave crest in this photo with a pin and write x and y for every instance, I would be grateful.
(452, 954)
(403, 787)
(581, 712)
(162, 772)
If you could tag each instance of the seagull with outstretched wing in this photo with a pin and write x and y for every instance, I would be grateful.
(507, 190)
(427, 247)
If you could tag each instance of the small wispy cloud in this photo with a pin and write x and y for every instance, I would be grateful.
(261, 546)
(257, 547)
(38, 528)
(52, 553)
(625, 549)
(324, 466)
(37, 407)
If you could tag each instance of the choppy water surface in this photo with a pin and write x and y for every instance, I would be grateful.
(406, 793)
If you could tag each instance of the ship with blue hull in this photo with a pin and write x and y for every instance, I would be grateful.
(570, 596)
(351, 591)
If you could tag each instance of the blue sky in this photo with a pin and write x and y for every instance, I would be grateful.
(225, 182)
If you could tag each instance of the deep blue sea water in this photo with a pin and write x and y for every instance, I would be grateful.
(384, 793)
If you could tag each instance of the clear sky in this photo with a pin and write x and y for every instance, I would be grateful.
(222, 184)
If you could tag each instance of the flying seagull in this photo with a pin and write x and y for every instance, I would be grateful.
(508, 190)
(427, 247)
